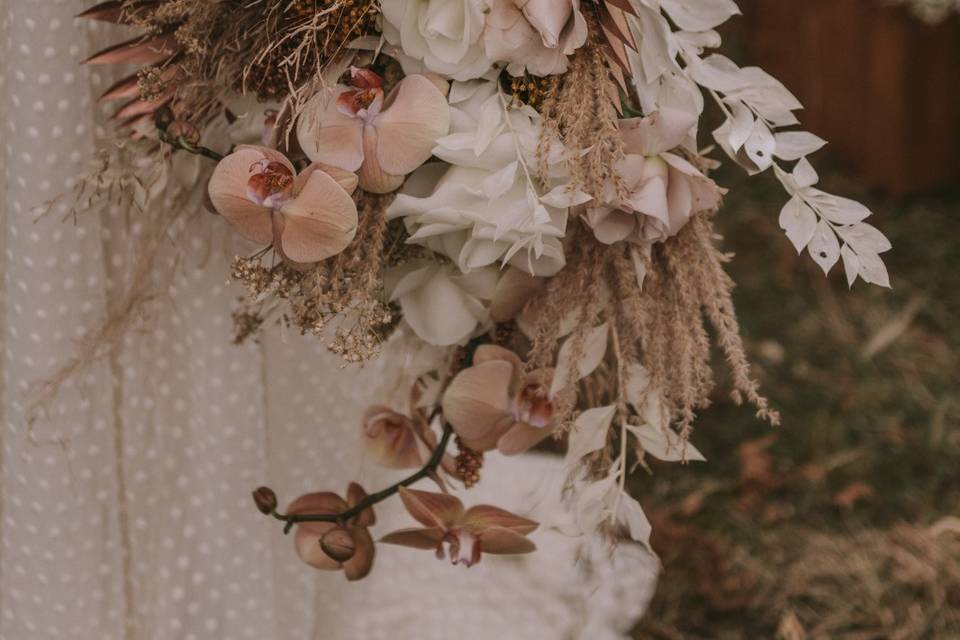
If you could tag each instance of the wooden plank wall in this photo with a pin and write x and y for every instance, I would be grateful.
(882, 87)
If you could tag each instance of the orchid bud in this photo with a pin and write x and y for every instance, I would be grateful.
(265, 499)
(338, 544)
(164, 117)
(183, 129)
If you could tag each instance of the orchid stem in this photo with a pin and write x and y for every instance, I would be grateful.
(340, 518)
(181, 143)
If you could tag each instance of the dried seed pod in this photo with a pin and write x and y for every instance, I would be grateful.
(265, 499)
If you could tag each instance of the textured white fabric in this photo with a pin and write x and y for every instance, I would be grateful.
(126, 511)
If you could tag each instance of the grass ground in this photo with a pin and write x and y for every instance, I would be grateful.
(845, 521)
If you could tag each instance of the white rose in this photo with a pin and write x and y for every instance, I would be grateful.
(443, 306)
(445, 34)
(485, 209)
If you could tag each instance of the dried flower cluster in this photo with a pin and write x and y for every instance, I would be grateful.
(515, 188)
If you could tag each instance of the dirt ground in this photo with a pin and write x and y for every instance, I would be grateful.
(845, 521)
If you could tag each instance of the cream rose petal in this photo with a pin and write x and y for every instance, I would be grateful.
(438, 310)
(548, 17)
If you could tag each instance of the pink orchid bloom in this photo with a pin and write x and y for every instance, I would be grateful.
(534, 35)
(399, 441)
(467, 533)
(307, 217)
(494, 404)
(664, 190)
(382, 138)
(392, 439)
(329, 546)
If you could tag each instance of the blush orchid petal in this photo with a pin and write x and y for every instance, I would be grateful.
(415, 116)
(328, 135)
(321, 220)
(477, 401)
(390, 439)
(228, 193)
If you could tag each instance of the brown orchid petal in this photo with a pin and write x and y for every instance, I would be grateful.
(329, 136)
(416, 538)
(358, 567)
(477, 401)
(365, 78)
(320, 502)
(355, 495)
(346, 179)
(138, 51)
(415, 117)
(371, 175)
(228, 193)
(307, 537)
(363, 103)
(319, 222)
(390, 438)
(306, 542)
(513, 291)
(521, 437)
(432, 509)
(498, 540)
(482, 516)
(270, 185)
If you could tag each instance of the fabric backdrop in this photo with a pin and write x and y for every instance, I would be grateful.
(125, 511)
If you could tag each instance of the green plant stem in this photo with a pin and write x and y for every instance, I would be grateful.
(181, 143)
(340, 518)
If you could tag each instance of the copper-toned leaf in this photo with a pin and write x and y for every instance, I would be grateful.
(138, 107)
(137, 51)
(111, 11)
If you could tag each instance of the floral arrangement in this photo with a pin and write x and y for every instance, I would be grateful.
(507, 197)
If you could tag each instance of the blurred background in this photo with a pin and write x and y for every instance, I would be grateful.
(845, 521)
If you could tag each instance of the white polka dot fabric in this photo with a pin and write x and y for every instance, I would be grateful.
(125, 513)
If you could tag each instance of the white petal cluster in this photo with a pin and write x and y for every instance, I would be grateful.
(485, 207)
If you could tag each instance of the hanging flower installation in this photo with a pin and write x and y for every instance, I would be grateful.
(513, 195)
